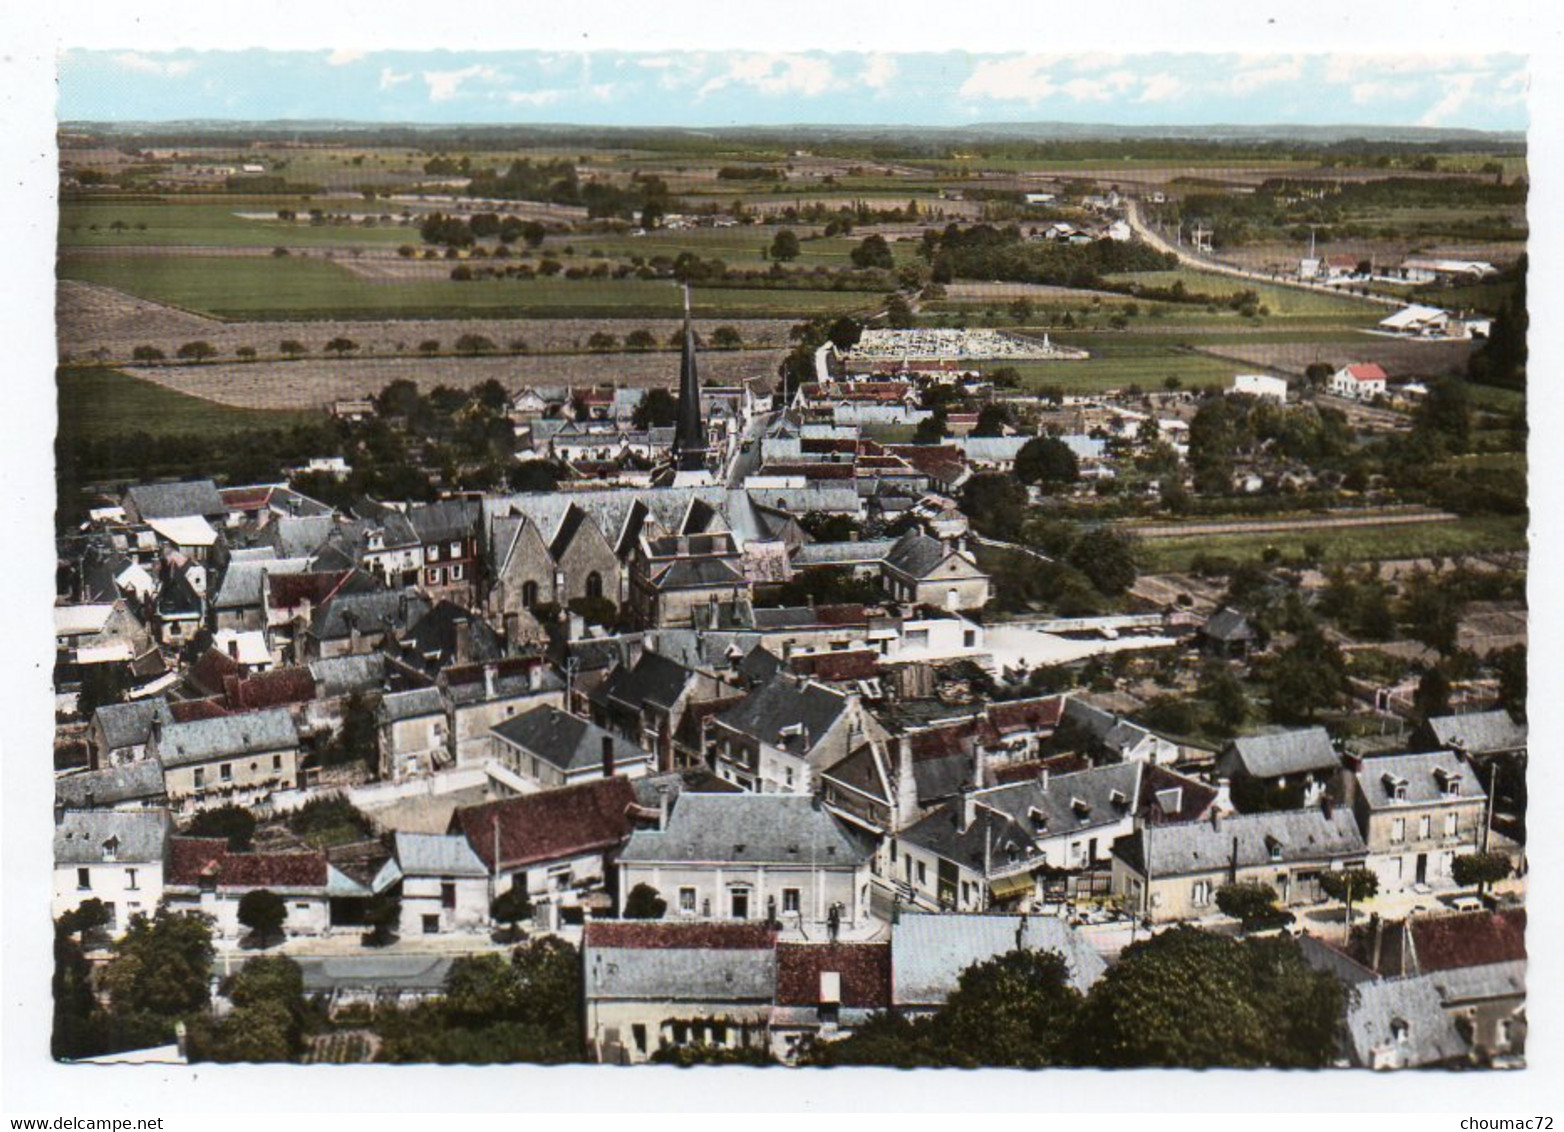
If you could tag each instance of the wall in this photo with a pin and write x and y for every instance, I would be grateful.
(110, 883)
(254, 777)
(819, 888)
(421, 897)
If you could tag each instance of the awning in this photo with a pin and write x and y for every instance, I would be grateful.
(1007, 888)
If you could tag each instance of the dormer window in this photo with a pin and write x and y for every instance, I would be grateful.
(1400, 1030)
(1118, 798)
(1396, 787)
(1038, 819)
(1171, 800)
(1273, 846)
(1448, 782)
(111, 849)
(1081, 808)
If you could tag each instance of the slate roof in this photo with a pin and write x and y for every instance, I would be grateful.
(175, 500)
(929, 952)
(435, 635)
(397, 706)
(1286, 752)
(550, 825)
(129, 724)
(139, 836)
(1228, 625)
(513, 678)
(564, 741)
(1475, 984)
(109, 787)
(783, 829)
(1421, 775)
(1479, 732)
(1199, 847)
(786, 704)
(665, 935)
(176, 597)
(864, 970)
(241, 586)
(230, 735)
(192, 859)
(916, 555)
(1056, 800)
(300, 536)
(653, 679)
(447, 520)
(1469, 939)
(681, 974)
(375, 971)
(377, 612)
(1111, 730)
(436, 854)
(698, 573)
(1378, 1007)
(343, 675)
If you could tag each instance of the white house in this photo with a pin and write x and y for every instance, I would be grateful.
(115, 857)
(1261, 385)
(1361, 381)
(203, 875)
(445, 885)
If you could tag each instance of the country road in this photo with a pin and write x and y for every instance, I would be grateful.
(1280, 526)
(1189, 259)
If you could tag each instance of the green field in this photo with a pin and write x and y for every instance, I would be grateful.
(217, 224)
(98, 403)
(263, 288)
(1119, 364)
(1283, 302)
(1343, 544)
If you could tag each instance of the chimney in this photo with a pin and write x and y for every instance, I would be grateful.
(1327, 807)
(355, 639)
(1042, 778)
(401, 608)
(1216, 817)
(1224, 795)
(662, 807)
(463, 629)
(488, 681)
(512, 632)
(900, 752)
(966, 809)
(233, 648)
(1378, 926)
(608, 756)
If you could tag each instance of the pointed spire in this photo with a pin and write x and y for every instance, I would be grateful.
(689, 438)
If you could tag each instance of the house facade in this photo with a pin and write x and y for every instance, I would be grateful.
(241, 758)
(113, 857)
(1418, 812)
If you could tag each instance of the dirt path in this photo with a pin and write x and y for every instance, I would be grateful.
(1278, 526)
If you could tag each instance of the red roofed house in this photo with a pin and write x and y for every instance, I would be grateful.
(825, 990)
(1340, 265)
(1361, 381)
(559, 843)
(202, 875)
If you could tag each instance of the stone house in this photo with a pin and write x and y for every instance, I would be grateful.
(444, 884)
(203, 875)
(241, 758)
(554, 748)
(926, 571)
(113, 857)
(1418, 812)
(782, 735)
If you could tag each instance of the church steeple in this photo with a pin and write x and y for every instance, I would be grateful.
(689, 437)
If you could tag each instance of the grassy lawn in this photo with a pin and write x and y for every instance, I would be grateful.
(1494, 399)
(218, 224)
(295, 288)
(1284, 302)
(1344, 544)
(1119, 364)
(96, 403)
(736, 247)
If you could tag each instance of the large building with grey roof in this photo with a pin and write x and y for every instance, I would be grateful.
(929, 952)
(1418, 813)
(751, 857)
(1172, 872)
(111, 856)
(1302, 761)
(553, 748)
(239, 758)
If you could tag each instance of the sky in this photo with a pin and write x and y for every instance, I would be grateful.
(733, 88)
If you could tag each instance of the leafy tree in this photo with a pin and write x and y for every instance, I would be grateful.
(640, 339)
(601, 340)
(889, 1040)
(898, 313)
(1349, 886)
(1047, 460)
(1480, 869)
(1433, 693)
(1502, 359)
(147, 354)
(1511, 664)
(267, 978)
(1192, 999)
(263, 912)
(245, 353)
(1220, 688)
(1305, 678)
(480, 989)
(726, 338)
(1021, 310)
(995, 503)
(293, 348)
(382, 916)
(874, 252)
(701, 1053)
(1107, 557)
(101, 684)
(263, 1032)
(644, 903)
(992, 420)
(1444, 417)
(1247, 901)
(474, 344)
(341, 345)
(162, 965)
(658, 409)
(429, 346)
(1016, 1010)
(511, 907)
(198, 351)
(785, 246)
(235, 823)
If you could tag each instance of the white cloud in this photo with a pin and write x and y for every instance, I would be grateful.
(880, 71)
(1019, 77)
(772, 73)
(1163, 87)
(534, 97)
(1101, 89)
(390, 78)
(445, 85)
(1095, 61)
(146, 65)
(1368, 93)
(1458, 92)
(1267, 73)
(343, 56)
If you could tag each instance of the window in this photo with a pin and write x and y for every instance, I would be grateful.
(738, 900)
(226, 772)
(594, 585)
(687, 901)
(130, 879)
(923, 874)
(790, 900)
(638, 1035)
(301, 906)
(529, 599)
(969, 639)
(431, 924)
(448, 894)
(432, 577)
(456, 550)
(1452, 824)
(84, 879)
(456, 572)
(1200, 896)
(1398, 829)
(276, 762)
(790, 776)
(1424, 826)
(200, 777)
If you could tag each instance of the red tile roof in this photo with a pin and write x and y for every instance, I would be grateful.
(185, 711)
(287, 591)
(208, 672)
(659, 935)
(812, 471)
(191, 859)
(941, 742)
(245, 498)
(1025, 715)
(865, 970)
(550, 825)
(1058, 764)
(851, 614)
(1470, 939)
(1367, 371)
(277, 688)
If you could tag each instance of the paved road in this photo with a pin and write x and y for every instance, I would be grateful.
(1278, 526)
(1200, 263)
